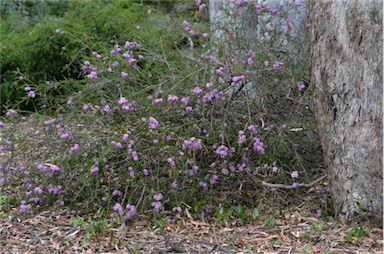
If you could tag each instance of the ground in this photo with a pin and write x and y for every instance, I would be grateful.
(40, 233)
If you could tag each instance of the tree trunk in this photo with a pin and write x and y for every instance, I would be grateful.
(347, 78)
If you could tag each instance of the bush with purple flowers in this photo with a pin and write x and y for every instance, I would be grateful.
(159, 131)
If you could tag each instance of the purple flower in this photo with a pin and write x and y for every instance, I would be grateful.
(31, 94)
(157, 100)
(253, 129)
(131, 211)
(74, 149)
(295, 185)
(220, 71)
(156, 206)
(238, 78)
(37, 190)
(172, 98)
(318, 213)
(300, 85)
(185, 100)
(59, 31)
(202, 184)
(169, 136)
(116, 193)
(149, 11)
(242, 138)
(177, 209)
(122, 100)
(213, 179)
(117, 144)
(197, 90)
(188, 109)
(131, 172)
(157, 197)
(94, 170)
(145, 171)
(192, 143)
(258, 146)
(294, 174)
(201, 7)
(1, 124)
(208, 97)
(118, 208)
(11, 112)
(222, 151)
(54, 168)
(266, 36)
(153, 123)
(85, 107)
(276, 65)
(124, 74)
(23, 207)
(92, 75)
(42, 167)
(64, 136)
(284, 126)
(171, 162)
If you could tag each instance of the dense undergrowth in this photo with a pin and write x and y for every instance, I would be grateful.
(148, 112)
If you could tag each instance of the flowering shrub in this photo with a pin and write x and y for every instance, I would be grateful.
(170, 135)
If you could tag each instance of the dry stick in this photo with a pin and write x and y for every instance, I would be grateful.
(282, 186)
(173, 248)
(218, 245)
(200, 241)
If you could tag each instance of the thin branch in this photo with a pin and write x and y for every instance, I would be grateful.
(282, 186)
(217, 245)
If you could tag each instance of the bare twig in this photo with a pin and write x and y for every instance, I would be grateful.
(282, 186)
(218, 245)
(202, 242)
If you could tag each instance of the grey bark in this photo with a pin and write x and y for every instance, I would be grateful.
(347, 79)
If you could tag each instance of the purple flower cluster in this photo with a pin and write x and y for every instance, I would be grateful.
(192, 144)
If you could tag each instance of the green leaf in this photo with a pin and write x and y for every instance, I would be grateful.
(255, 213)
(269, 222)
(159, 223)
